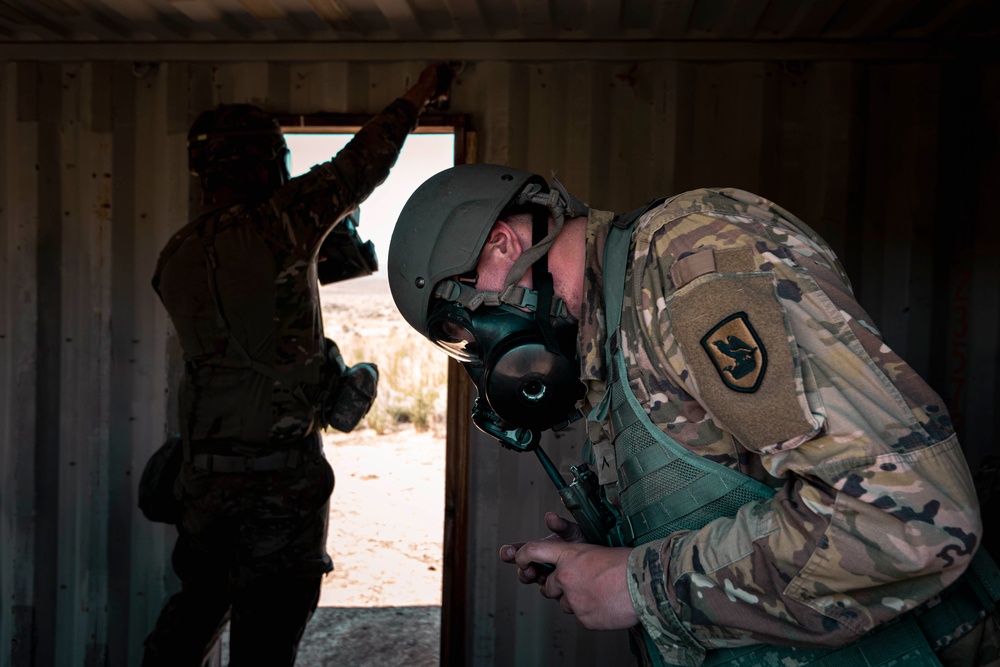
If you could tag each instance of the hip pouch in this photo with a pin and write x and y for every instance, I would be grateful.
(349, 392)
(156, 486)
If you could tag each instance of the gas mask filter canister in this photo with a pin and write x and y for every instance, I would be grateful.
(525, 384)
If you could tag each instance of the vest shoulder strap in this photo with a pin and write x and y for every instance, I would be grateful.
(616, 264)
(706, 489)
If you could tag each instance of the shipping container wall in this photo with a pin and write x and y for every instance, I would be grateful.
(892, 162)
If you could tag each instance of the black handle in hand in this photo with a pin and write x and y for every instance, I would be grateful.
(542, 569)
(444, 76)
(439, 101)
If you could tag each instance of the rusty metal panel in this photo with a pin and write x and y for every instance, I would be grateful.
(18, 361)
(84, 339)
(899, 209)
(49, 455)
(318, 87)
(268, 20)
(393, 20)
(966, 259)
(160, 205)
(247, 82)
(124, 228)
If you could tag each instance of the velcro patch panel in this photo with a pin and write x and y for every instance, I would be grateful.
(731, 330)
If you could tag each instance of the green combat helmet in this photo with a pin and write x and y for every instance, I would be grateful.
(442, 228)
(233, 139)
(518, 345)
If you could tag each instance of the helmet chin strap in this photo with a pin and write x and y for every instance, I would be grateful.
(555, 203)
(542, 281)
(559, 203)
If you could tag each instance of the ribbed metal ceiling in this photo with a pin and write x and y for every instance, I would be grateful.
(493, 20)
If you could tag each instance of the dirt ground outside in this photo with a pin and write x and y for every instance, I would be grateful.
(386, 519)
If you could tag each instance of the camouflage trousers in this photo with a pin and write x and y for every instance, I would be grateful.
(253, 546)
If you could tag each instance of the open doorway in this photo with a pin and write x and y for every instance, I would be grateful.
(382, 603)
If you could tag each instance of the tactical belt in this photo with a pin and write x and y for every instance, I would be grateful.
(289, 456)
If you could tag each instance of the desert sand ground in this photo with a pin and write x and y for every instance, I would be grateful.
(386, 519)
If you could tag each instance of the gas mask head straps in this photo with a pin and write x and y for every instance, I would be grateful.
(559, 203)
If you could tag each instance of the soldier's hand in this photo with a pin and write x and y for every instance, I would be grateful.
(434, 83)
(589, 581)
(562, 531)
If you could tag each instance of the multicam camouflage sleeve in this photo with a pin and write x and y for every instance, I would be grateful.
(302, 213)
(745, 344)
(309, 205)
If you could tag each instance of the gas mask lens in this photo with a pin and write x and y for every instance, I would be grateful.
(450, 329)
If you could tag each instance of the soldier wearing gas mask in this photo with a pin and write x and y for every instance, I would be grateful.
(261, 381)
(771, 484)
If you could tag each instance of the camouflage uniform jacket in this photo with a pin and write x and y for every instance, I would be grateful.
(744, 343)
(268, 292)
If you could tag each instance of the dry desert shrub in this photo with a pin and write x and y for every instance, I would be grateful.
(412, 381)
(412, 390)
(412, 384)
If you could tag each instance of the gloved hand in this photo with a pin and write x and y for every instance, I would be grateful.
(350, 392)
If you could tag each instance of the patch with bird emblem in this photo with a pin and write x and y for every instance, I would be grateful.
(737, 352)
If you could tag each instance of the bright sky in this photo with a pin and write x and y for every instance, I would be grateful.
(423, 155)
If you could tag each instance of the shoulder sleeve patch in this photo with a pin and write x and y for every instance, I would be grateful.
(733, 336)
(738, 354)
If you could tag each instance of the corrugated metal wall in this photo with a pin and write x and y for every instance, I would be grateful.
(893, 162)
(93, 181)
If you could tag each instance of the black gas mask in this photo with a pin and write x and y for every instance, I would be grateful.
(521, 356)
(526, 384)
(343, 254)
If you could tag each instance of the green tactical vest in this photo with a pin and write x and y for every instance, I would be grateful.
(228, 406)
(674, 489)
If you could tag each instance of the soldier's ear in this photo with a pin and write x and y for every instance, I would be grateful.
(502, 247)
(502, 241)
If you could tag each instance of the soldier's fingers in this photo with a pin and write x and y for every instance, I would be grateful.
(555, 523)
(508, 551)
(529, 575)
(551, 589)
(564, 605)
(567, 530)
